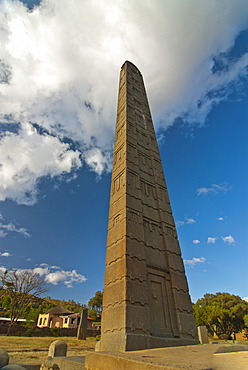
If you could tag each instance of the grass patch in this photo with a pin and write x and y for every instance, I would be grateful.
(35, 349)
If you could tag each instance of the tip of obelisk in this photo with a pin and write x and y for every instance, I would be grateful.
(131, 64)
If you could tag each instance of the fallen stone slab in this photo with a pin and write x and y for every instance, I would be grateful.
(31, 366)
(70, 362)
(227, 348)
(99, 361)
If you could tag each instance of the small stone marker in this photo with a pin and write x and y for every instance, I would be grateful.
(79, 331)
(82, 328)
(203, 334)
(57, 348)
(4, 358)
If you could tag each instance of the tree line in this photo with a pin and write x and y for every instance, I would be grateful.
(222, 313)
(20, 297)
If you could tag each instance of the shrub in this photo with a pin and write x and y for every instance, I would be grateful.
(224, 336)
(29, 332)
(55, 331)
(37, 332)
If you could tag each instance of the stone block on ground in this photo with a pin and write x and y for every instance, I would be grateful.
(4, 358)
(203, 334)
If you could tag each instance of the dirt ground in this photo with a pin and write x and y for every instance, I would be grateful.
(28, 350)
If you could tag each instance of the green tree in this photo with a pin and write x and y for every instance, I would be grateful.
(21, 286)
(6, 302)
(73, 306)
(95, 306)
(246, 320)
(32, 316)
(222, 313)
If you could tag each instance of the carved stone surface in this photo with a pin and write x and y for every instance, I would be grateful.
(146, 303)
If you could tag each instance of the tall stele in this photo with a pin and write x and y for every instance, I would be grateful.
(146, 302)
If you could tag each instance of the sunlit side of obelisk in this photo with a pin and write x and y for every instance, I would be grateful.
(146, 303)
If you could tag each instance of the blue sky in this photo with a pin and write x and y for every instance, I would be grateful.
(59, 71)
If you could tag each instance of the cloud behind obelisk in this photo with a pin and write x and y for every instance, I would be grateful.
(59, 66)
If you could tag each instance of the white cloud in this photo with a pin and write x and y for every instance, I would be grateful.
(179, 223)
(60, 72)
(196, 241)
(55, 275)
(229, 239)
(97, 160)
(187, 221)
(2, 234)
(211, 240)
(2, 270)
(41, 271)
(7, 228)
(28, 156)
(5, 254)
(245, 299)
(220, 218)
(214, 189)
(194, 261)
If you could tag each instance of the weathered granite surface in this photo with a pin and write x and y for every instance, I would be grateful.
(146, 302)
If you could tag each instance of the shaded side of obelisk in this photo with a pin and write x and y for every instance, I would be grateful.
(146, 302)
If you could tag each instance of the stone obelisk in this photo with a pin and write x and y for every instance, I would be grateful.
(146, 302)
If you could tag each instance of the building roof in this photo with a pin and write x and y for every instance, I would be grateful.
(8, 319)
(59, 310)
(73, 315)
